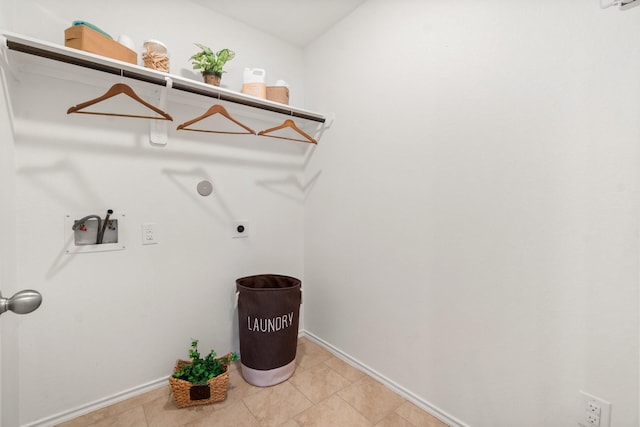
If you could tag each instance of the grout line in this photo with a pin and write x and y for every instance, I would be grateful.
(352, 383)
(369, 377)
(249, 409)
(342, 376)
(403, 417)
(403, 392)
(250, 412)
(146, 419)
(356, 409)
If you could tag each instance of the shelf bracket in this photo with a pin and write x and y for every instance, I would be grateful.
(159, 129)
(623, 4)
(324, 126)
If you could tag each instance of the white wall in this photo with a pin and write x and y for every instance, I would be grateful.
(472, 228)
(179, 25)
(115, 321)
(9, 358)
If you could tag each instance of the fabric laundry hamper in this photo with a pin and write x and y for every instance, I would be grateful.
(268, 314)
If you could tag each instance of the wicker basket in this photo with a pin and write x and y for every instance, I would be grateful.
(188, 394)
(278, 94)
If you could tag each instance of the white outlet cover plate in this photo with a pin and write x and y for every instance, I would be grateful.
(583, 410)
(149, 233)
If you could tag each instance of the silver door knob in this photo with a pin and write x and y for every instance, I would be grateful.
(21, 303)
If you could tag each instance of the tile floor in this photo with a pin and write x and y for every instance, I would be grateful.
(323, 392)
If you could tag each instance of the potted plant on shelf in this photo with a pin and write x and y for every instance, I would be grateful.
(201, 381)
(210, 63)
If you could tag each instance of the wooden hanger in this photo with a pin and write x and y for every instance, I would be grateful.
(117, 89)
(216, 109)
(288, 124)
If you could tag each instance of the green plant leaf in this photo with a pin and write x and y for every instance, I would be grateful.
(199, 371)
(207, 61)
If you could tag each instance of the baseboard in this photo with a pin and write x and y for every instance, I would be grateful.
(98, 404)
(419, 402)
(144, 388)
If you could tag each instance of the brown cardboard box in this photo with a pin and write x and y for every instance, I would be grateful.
(278, 94)
(84, 38)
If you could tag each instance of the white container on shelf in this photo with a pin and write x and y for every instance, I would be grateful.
(253, 82)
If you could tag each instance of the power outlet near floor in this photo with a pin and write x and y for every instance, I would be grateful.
(593, 411)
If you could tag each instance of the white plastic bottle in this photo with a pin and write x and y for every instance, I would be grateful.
(254, 82)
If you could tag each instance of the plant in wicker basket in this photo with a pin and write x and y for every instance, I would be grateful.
(201, 381)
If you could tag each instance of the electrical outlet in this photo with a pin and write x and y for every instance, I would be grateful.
(240, 229)
(593, 411)
(593, 420)
(149, 234)
(594, 408)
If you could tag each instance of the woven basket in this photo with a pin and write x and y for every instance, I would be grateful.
(188, 394)
(278, 94)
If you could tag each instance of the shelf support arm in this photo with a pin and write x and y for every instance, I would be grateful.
(159, 129)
